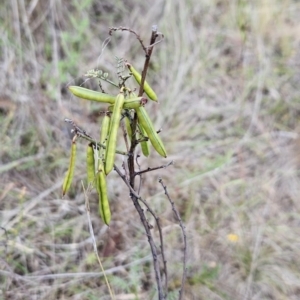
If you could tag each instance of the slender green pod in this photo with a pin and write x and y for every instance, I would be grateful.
(104, 209)
(138, 77)
(91, 95)
(128, 128)
(105, 98)
(90, 164)
(104, 128)
(131, 103)
(154, 138)
(104, 131)
(145, 144)
(70, 173)
(134, 102)
(113, 130)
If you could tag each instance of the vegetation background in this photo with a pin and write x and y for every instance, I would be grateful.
(227, 75)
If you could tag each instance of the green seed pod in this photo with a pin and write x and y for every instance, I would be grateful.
(90, 164)
(145, 144)
(104, 209)
(104, 131)
(113, 130)
(70, 173)
(131, 103)
(91, 95)
(147, 125)
(134, 102)
(137, 76)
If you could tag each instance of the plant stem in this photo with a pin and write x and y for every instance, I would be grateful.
(132, 173)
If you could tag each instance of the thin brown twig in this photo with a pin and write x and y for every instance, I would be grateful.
(82, 133)
(143, 139)
(153, 169)
(97, 145)
(162, 248)
(157, 42)
(147, 60)
(133, 145)
(141, 91)
(134, 123)
(135, 197)
(181, 292)
(121, 28)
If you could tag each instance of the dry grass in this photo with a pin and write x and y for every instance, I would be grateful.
(227, 75)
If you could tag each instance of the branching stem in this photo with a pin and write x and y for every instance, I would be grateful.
(135, 197)
(181, 292)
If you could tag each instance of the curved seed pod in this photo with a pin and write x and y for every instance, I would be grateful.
(128, 128)
(137, 76)
(104, 128)
(70, 173)
(135, 102)
(154, 138)
(104, 131)
(91, 95)
(90, 164)
(145, 144)
(104, 209)
(113, 130)
(131, 103)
